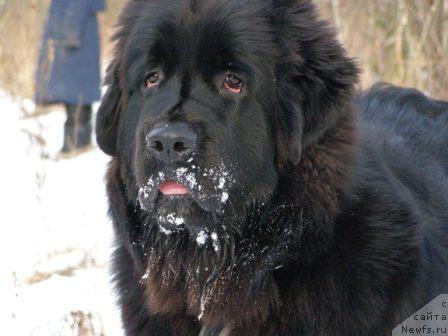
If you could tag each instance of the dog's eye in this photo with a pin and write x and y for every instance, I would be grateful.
(233, 84)
(152, 80)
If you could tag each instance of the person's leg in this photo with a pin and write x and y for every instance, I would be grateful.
(85, 127)
(77, 127)
(70, 136)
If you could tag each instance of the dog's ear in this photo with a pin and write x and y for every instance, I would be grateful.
(109, 112)
(315, 78)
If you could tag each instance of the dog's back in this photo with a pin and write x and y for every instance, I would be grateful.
(409, 133)
(408, 115)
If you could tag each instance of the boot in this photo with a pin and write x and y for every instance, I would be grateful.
(84, 131)
(77, 129)
(69, 129)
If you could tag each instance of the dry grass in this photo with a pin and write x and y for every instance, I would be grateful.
(401, 41)
(20, 29)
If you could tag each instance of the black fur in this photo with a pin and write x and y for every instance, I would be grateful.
(321, 213)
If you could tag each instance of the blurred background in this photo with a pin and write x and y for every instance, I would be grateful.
(401, 41)
(55, 237)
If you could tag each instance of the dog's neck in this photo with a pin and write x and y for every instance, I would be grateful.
(316, 183)
(314, 188)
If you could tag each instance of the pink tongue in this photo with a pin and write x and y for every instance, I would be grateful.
(173, 188)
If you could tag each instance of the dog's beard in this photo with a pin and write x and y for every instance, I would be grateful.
(186, 260)
(192, 241)
(199, 251)
(183, 218)
(176, 214)
(198, 232)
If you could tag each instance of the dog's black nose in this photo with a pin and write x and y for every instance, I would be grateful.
(171, 142)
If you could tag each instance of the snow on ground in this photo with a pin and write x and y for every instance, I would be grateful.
(55, 237)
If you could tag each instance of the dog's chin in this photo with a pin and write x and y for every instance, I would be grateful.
(175, 214)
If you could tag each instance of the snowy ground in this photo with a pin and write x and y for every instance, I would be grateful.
(55, 237)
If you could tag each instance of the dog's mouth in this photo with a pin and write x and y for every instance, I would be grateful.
(209, 187)
(186, 197)
(173, 188)
(171, 216)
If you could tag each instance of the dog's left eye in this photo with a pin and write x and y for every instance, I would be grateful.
(233, 84)
(152, 80)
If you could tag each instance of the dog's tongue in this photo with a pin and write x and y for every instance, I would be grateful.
(173, 188)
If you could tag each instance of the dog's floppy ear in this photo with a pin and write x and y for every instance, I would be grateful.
(109, 112)
(108, 116)
(315, 78)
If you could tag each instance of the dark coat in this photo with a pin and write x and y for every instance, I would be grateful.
(69, 61)
(335, 215)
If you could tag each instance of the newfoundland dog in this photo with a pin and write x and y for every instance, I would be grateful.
(252, 191)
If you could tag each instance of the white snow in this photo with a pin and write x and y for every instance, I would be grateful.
(224, 196)
(191, 179)
(214, 237)
(173, 219)
(201, 238)
(145, 276)
(203, 302)
(222, 181)
(181, 171)
(165, 231)
(184, 176)
(55, 236)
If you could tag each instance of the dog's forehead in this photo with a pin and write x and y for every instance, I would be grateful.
(206, 28)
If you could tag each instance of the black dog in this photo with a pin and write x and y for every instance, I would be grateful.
(248, 194)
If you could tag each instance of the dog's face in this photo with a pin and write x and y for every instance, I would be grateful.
(201, 108)
(198, 123)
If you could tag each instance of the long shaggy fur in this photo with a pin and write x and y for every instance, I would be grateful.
(336, 217)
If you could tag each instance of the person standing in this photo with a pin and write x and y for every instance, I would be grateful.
(68, 71)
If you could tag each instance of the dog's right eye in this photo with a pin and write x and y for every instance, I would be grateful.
(152, 80)
(233, 84)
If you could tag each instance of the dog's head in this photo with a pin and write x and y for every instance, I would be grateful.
(209, 102)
